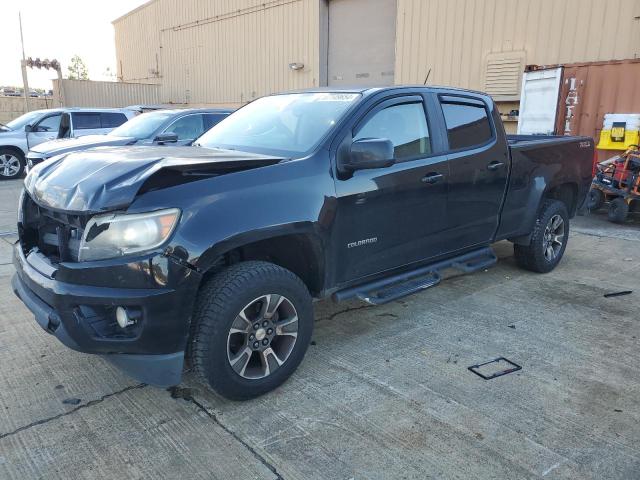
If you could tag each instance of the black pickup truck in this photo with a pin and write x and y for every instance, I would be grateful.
(153, 255)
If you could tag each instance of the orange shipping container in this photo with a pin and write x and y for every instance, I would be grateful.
(590, 90)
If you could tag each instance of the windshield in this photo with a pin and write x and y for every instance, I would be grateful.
(26, 119)
(142, 126)
(287, 124)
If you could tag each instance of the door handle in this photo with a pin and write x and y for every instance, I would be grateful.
(493, 166)
(431, 178)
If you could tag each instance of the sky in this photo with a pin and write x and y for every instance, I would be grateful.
(59, 29)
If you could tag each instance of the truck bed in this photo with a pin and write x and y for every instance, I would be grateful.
(539, 161)
(517, 140)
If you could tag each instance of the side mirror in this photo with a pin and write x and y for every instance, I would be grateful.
(369, 153)
(28, 128)
(166, 138)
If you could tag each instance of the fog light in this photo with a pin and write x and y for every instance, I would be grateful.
(122, 317)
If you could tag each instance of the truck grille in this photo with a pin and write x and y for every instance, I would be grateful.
(57, 235)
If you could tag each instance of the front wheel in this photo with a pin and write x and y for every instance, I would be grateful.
(11, 164)
(548, 240)
(251, 328)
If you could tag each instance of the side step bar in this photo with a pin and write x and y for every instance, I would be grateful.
(400, 285)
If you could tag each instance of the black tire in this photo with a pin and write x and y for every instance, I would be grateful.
(534, 257)
(595, 200)
(618, 210)
(12, 163)
(219, 305)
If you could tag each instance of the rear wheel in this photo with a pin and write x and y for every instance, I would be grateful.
(252, 326)
(595, 200)
(11, 164)
(548, 240)
(618, 210)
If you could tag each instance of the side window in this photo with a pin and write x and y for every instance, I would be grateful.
(49, 124)
(187, 128)
(211, 119)
(405, 125)
(86, 121)
(467, 124)
(112, 119)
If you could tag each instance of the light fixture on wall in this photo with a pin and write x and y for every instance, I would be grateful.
(296, 66)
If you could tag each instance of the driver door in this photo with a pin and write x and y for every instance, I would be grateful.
(187, 128)
(44, 130)
(390, 217)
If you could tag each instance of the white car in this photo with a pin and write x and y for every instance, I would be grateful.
(33, 128)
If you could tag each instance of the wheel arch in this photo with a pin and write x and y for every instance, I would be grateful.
(14, 149)
(567, 193)
(300, 250)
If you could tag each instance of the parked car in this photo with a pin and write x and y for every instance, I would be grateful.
(38, 126)
(10, 92)
(145, 255)
(161, 127)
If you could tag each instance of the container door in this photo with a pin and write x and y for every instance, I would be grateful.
(539, 102)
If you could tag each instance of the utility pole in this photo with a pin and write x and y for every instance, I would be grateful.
(23, 63)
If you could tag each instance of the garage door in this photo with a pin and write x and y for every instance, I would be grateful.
(362, 37)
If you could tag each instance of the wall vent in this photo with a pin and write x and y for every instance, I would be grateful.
(503, 75)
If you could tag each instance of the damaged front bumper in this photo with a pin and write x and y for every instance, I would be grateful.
(76, 303)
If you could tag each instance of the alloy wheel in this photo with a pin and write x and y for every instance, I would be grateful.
(262, 336)
(9, 165)
(553, 238)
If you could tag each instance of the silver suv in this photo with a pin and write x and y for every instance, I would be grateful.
(33, 128)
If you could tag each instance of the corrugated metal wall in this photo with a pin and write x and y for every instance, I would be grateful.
(453, 38)
(137, 39)
(221, 53)
(87, 93)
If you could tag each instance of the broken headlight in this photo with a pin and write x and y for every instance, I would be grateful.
(117, 235)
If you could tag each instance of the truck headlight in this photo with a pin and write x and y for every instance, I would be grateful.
(117, 235)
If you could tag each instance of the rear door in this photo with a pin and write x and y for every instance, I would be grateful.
(478, 163)
(85, 123)
(390, 217)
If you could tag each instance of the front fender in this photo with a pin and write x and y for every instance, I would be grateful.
(225, 212)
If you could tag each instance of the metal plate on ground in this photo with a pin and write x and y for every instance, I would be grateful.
(495, 368)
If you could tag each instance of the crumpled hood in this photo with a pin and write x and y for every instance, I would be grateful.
(67, 145)
(106, 178)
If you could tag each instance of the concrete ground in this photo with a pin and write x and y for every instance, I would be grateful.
(384, 392)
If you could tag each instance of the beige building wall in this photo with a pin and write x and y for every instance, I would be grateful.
(485, 44)
(221, 53)
(13, 107)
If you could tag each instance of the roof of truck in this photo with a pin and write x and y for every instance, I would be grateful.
(376, 89)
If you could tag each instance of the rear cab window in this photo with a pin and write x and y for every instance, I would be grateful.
(467, 121)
